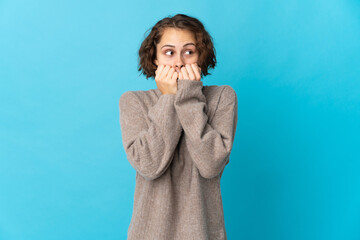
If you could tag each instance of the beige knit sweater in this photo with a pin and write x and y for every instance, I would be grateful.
(179, 145)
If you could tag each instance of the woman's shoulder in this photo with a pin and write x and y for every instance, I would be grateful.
(144, 96)
(220, 90)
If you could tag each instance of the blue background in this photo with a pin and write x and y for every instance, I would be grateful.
(294, 169)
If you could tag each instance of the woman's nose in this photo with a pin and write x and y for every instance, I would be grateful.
(178, 67)
(179, 63)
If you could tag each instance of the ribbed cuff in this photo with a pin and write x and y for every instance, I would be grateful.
(189, 89)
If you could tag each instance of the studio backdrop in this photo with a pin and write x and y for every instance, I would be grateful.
(295, 66)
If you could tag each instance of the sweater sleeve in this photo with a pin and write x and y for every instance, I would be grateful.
(149, 144)
(209, 144)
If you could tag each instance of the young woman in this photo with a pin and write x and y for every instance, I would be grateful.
(178, 136)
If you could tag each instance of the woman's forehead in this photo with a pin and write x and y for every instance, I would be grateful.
(177, 37)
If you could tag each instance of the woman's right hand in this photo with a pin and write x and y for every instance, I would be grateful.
(166, 79)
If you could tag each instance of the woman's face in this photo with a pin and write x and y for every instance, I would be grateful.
(176, 48)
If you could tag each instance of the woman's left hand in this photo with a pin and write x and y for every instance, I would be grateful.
(191, 72)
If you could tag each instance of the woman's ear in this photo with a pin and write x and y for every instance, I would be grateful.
(156, 62)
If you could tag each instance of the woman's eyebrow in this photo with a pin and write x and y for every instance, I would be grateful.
(168, 45)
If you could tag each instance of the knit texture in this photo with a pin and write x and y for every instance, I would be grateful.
(179, 145)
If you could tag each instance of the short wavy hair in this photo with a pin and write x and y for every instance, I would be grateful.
(204, 44)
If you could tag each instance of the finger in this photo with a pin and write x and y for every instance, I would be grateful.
(174, 76)
(158, 72)
(190, 71)
(197, 65)
(184, 73)
(170, 73)
(164, 71)
(159, 69)
(196, 70)
(180, 76)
